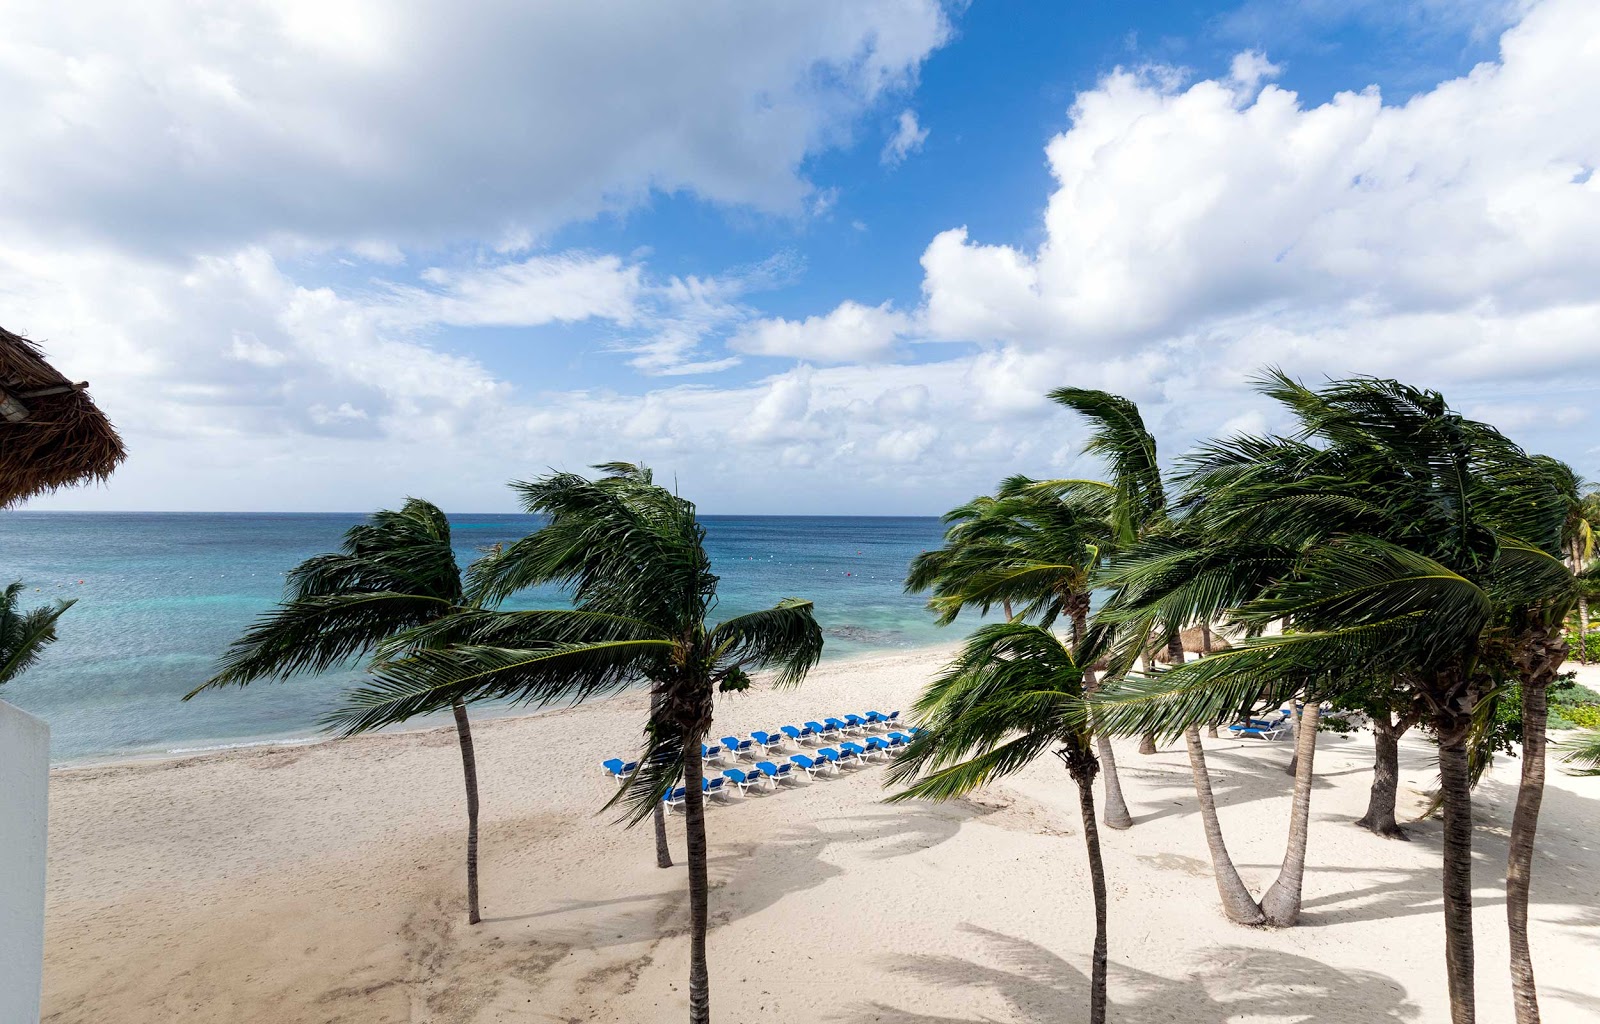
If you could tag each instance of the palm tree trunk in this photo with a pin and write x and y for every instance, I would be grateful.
(1281, 903)
(1385, 779)
(1084, 777)
(1205, 649)
(1117, 815)
(1293, 768)
(469, 768)
(1456, 793)
(1237, 902)
(1547, 651)
(1583, 629)
(663, 852)
(694, 818)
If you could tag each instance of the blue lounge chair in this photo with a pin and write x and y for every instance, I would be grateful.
(829, 755)
(811, 767)
(857, 723)
(798, 735)
(615, 768)
(877, 745)
(895, 743)
(775, 772)
(742, 780)
(714, 787)
(674, 798)
(767, 740)
(851, 754)
(821, 731)
(887, 721)
(713, 753)
(840, 726)
(737, 747)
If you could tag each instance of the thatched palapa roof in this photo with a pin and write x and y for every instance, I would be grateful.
(51, 434)
(1194, 643)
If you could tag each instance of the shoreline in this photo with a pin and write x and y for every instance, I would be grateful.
(224, 747)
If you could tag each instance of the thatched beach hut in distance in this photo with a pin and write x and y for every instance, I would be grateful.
(51, 434)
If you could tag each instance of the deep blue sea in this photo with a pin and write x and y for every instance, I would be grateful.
(160, 595)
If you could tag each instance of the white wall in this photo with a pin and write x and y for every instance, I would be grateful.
(24, 790)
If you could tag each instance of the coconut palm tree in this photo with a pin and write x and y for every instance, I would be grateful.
(1031, 548)
(1408, 527)
(1015, 691)
(394, 572)
(25, 634)
(632, 557)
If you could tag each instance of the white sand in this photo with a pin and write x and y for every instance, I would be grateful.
(323, 883)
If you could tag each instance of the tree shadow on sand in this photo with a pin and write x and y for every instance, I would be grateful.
(748, 877)
(1234, 981)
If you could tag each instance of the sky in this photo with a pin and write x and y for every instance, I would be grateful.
(799, 256)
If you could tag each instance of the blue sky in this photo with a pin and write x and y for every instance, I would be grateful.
(803, 257)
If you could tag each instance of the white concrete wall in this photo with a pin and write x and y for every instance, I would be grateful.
(24, 795)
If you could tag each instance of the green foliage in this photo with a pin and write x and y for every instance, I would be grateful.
(1590, 646)
(1583, 716)
(631, 555)
(24, 634)
(1583, 752)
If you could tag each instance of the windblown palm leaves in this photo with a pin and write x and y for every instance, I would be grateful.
(392, 589)
(1014, 692)
(24, 634)
(631, 555)
(1401, 541)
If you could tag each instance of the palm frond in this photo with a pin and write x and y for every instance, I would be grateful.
(1582, 752)
(25, 634)
(785, 636)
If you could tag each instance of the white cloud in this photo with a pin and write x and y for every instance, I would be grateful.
(353, 122)
(908, 137)
(1452, 236)
(851, 333)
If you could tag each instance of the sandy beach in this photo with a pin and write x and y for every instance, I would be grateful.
(324, 883)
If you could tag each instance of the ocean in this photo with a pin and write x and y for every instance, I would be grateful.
(160, 595)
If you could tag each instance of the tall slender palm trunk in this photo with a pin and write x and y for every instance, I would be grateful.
(1082, 766)
(1293, 767)
(1237, 902)
(1281, 902)
(1456, 791)
(1117, 815)
(1544, 652)
(694, 817)
(1583, 629)
(1385, 777)
(663, 852)
(469, 768)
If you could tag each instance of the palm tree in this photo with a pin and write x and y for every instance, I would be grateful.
(1407, 526)
(395, 572)
(1013, 692)
(632, 556)
(25, 635)
(1030, 547)
(1138, 498)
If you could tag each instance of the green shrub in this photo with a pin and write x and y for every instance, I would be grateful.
(1591, 642)
(1584, 716)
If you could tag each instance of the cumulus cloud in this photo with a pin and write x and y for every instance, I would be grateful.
(356, 122)
(908, 137)
(851, 333)
(1450, 237)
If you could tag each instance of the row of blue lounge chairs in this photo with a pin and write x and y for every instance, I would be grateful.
(771, 774)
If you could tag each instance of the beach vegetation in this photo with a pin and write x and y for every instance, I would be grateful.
(631, 556)
(1014, 693)
(25, 634)
(1422, 548)
(393, 573)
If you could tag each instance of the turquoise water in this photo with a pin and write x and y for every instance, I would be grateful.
(161, 594)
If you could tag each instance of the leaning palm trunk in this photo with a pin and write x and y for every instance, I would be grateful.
(469, 767)
(1543, 658)
(663, 852)
(1237, 902)
(1455, 788)
(1281, 903)
(1117, 815)
(1081, 763)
